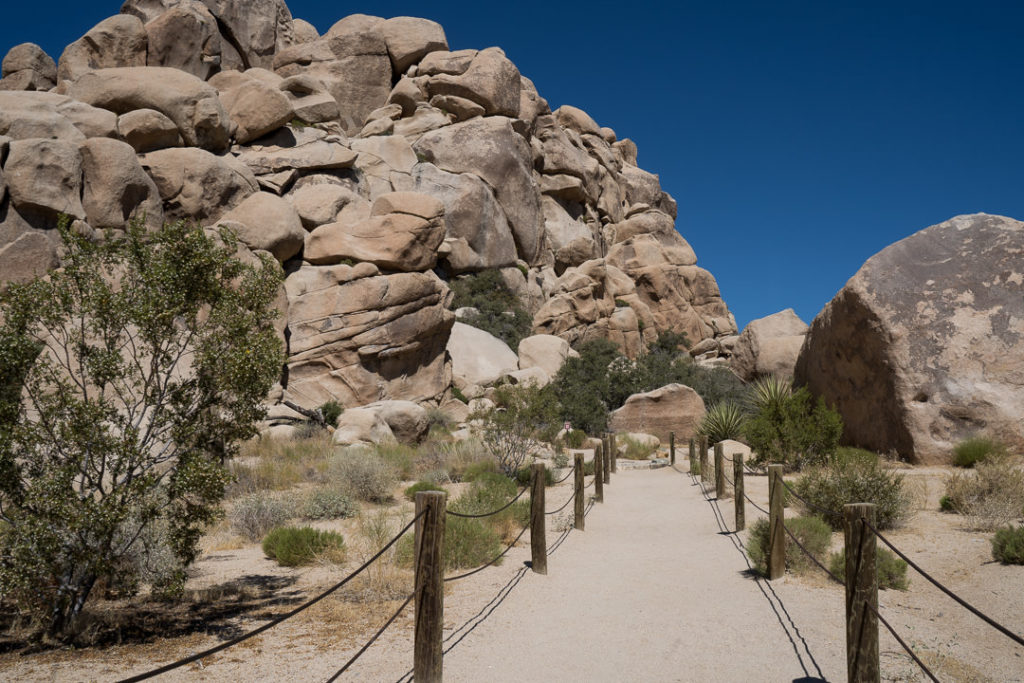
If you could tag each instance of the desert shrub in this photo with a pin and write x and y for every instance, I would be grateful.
(363, 475)
(328, 503)
(695, 470)
(399, 456)
(847, 454)
(790, 427)
(1008, 545)
(268, 464)
(970, 452)
(253, 515)
(521, 418)
(891, 570)
(633, 449)
(856, 479)
(724, 420)
(439, 420)
(458, 395)
(469, 543)
(525, 474)
(575, 438)
(295, 546)
(991, 496)
(479, 469)
(331, 411)
(490, 492)
(812, 532)
(410, 492)
(499, 311)
(946, 504)
(560, 461)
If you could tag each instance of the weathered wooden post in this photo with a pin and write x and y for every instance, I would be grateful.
(719, 471)
(672, 448)
(606, 460)
(705, 474)
(776, 521)
(429, 544)
(614, 451)
(737, 485)
(577, 503)
(599, 473)
(861, 595)
(538, 539)
(693, 454)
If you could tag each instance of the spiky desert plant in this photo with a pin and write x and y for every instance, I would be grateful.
(769, 390)
(723, 421)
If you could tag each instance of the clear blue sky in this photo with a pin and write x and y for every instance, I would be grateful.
(799, 138)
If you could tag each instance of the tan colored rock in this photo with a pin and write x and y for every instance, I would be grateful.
(393, 242)
(320, 204)
(115, 188)
(489, 148)
(25, 115)
(197, 185)
(119, 41)
(409, 39)
(769, 346)
(491, 80)
(289, 150)
(576, 119)
(305, 32)
(27, 67)
(458, 107)
(406, 420)
(363, 425)
(478, 357)
(255, 107)
(924, 346)
(444, 62)
(408, 94)
(412, 203)
(25, 252)
(310, 99)
(546, 352)
(270, 223)
(192, 104)
(147, 130)
(185, 37)
(529, 377)
(672, 408)
(360, 337)
(44, 178)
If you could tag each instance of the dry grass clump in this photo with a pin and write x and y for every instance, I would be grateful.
(269, 464)
(255, 514)
(632, 449)
(364, 475)
(384, 580)
(991, 496)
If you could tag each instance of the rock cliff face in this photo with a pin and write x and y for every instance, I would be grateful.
(374, 163)
(923, 346)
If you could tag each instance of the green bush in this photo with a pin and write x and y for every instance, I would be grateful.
(723, 421)
(946, 504)
(632, 449)
(458, 395)
(295, 546)
(856, 480)
(794, 430)
(522, 416)
(1008, 545)
(480, 469)
(812, 532)
(331, 411)
(891, 570)
(252, 516)
(575, 438)
(469, 543)
(328, 503)
(524, 475)
(365, 476)
(410, 493)
(991, 496)
(499, 311)
(972, 451)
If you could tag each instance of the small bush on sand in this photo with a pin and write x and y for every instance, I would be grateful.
(790, 427)
(992, 496)
(524, 475)
(296, 546)
(410, 492)
(269, 464)
(812, 532)
(328, 503)
(891, 570)
(490, 492)
(856, 478)
(1008, 545)
(970, 452)
(634, 449)
(574, 438)
(363, 475)
(253, 515)
(331, 411)
(723, 421)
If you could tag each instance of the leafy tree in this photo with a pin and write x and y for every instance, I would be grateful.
(522, 417)
(499, 311)
(127, 379)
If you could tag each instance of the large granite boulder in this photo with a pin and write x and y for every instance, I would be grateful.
(924, 346)
(478, 357)
(672, 408)
(44, 179)
(265, 221)
(546, 352)
(185, 37)
(49, 115)
(119, 41)
(409, 39)
(195, 184)
(115, 188)
(27, 67)
(769, 346)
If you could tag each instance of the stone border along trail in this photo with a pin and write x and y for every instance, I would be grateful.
(651, 591)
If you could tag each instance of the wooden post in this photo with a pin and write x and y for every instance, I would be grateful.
(577, 503)
(606, 461)
(861, 591)
(693, 454)
(737, 478)
(538, 539)
(672, 448)
(719, 471)
(614, 451)
(705, 474)
(599, 473)
(776, 520)
(429, 544)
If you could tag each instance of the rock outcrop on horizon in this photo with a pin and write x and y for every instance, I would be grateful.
(373, 163)
(924, 346)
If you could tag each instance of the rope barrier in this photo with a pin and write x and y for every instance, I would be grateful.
(277, 620)
(808, 554)
(372, 640)
(565, 505)
(498, 557)
(810, 506)
(572, 471)
(963, 603)
(899, 640)
(504, 507)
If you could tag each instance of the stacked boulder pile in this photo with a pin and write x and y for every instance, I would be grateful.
(373, 163)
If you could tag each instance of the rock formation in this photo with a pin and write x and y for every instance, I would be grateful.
(672, 408)
(373, 163)
(769, 346)
(924, 346)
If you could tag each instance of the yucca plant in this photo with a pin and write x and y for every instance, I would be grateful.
(723, 421)
(769, 390)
